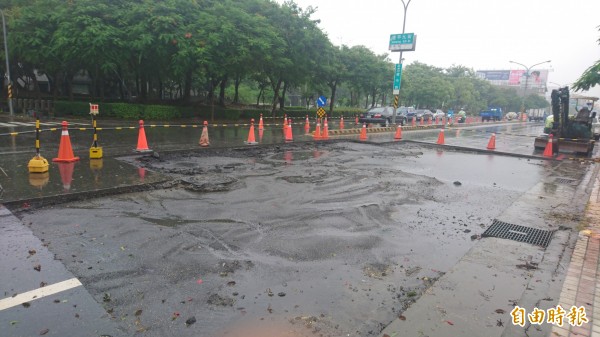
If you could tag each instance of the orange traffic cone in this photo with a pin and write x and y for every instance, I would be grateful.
(325, 134)
(356, 120)
(363, 132)
(260, 123)
(437, 120)
(548, 152)
(414, 121)
(492, 142)
(307, 126)
(288, 131)
(142, 145)
(421, 120)
(398, 132)
(204, 137)
(65, 151)
(317, 134)
(66, 174)
(251, 138)
(342, 123)
(441, 139)
(430, 121)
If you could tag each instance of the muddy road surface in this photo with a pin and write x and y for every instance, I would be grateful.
(333, 239)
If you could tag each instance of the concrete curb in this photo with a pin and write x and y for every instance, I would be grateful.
(581, 286)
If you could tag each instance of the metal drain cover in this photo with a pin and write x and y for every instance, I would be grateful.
(504, 230)
(566, 181)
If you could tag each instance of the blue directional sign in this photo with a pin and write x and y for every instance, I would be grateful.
(397, 78)
(321, 101)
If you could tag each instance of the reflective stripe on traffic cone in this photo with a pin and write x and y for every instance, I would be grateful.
(441, 139)
(317, 134)
(288, 131)
(325, 130)
(307, 126)
(142, 144)
(548, 152)
(363, 132)
(492, 142)
(204, 137)
(398, 134)
(65, 150)
(251, 137)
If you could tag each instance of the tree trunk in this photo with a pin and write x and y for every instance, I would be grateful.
(333, 86)
(57, 84)
(143, 88)
(222, 91)
(282, 96)
(275, 96)
(367, 102)
(187, 87)
(236, 84)
(259, 94)
(69, 79)
(373, 99)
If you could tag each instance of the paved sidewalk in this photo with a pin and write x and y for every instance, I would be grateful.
(581, 287)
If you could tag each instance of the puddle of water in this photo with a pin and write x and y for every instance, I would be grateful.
(483, 170)
(66, 178)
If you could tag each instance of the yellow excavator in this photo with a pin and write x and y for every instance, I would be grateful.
(573, 134)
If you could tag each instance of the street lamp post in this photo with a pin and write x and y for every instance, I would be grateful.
(10, 105)
(400, 59)
(526, 80)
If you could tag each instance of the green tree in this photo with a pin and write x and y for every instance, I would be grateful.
(590, 78)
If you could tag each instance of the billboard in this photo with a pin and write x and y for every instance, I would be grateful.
(494, 75)
(537, 78)
(515, 77)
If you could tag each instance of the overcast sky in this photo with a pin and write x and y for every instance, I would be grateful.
(479, 34)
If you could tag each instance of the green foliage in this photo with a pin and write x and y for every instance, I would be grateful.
(67, 108)
(589, 79)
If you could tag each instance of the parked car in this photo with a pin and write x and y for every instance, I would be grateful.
(425, 113)
(382, 116)
(439, 114)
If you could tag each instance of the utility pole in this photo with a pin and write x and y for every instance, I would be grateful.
(10, 105)
(526, 80)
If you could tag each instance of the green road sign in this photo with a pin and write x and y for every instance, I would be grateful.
(403, 42)
(397, 78)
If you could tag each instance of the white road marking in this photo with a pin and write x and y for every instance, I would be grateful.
(6, 124)
(22, 124)
(39, 293)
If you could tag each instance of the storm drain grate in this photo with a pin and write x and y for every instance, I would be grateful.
(509, 231)
(566, 181)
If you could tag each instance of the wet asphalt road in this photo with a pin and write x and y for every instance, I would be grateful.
(320, 239)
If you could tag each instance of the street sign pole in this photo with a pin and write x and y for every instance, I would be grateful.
(400, 58)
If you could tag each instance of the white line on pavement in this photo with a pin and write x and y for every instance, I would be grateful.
(39, 293)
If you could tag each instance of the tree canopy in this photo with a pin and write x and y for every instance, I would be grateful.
(189, 51)
(590, 78)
